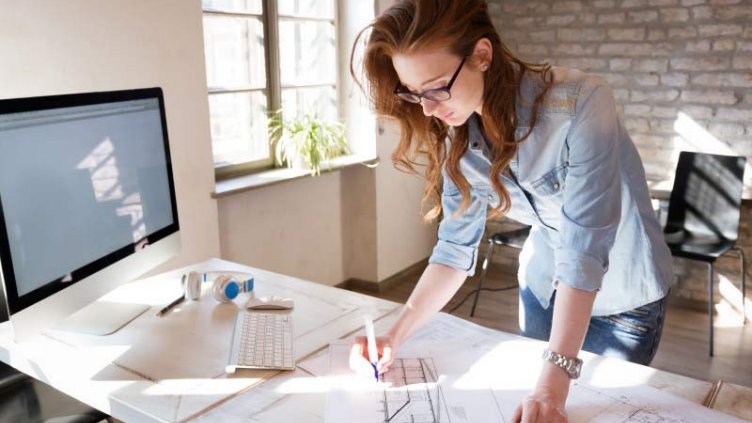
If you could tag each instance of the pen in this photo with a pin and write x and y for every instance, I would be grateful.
(373, 355)
(712, 394)
(170, 306)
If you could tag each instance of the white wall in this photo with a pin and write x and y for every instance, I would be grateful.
(355, 223)
(293, 228)
(403, 237)
(55, 47)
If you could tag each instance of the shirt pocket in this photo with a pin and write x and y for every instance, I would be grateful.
(552, 183)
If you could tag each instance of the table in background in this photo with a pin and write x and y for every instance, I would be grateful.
(661, 190)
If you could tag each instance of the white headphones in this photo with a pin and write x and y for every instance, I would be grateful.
(226, 285)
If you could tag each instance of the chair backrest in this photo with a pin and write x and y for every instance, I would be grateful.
(707, 193)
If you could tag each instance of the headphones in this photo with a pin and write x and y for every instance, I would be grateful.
(226, 286)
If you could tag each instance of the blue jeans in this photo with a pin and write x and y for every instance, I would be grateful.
(633, 335)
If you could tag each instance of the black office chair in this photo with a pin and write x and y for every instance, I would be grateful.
(703, 214)
(514, 238)
(24, 399)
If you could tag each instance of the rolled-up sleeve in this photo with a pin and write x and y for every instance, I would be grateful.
(591, 206)
(460, 234)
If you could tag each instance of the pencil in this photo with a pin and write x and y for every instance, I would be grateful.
(170, 306)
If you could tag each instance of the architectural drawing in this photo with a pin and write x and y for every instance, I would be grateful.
(413, 393)
(627, 405)
(416, 389)
(432, 381)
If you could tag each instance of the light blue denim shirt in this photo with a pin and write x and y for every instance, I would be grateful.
(579, 182)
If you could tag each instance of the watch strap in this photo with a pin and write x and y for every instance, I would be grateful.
(571, 365)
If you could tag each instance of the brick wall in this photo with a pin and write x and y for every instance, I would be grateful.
(681, 71)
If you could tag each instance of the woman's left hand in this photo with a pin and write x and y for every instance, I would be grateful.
(540, 406)
(546, 403)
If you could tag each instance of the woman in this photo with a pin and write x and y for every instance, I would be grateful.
(542, 145)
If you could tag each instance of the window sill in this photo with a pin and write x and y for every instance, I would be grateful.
(240, 184)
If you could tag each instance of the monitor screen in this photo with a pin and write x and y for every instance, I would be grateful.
(85, 180)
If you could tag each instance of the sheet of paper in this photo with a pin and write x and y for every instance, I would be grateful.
(416, 389)
(445, 327)
(442, 327)
(637, 404)
(437, 381)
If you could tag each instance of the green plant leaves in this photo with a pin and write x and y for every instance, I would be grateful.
(308, 140)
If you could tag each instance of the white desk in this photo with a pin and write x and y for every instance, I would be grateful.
(171, 369)
(299, 397)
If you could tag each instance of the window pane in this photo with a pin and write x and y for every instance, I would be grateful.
(320, 101)
(307, 52)
(311, 8)
(234, 49)
(238, 6)
(238, 127)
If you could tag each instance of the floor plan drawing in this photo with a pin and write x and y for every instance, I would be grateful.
(633, 405)
(432, 381)
(588, 403)
(413, 393)
(416, 389)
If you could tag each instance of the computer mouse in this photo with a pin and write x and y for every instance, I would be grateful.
(269, 303)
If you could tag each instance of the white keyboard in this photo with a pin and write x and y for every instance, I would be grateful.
(262, 341)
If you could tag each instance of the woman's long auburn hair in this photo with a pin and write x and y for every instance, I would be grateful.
(411, 25)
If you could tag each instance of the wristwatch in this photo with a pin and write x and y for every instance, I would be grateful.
(571, 365)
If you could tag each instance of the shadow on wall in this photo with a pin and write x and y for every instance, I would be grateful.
(691, 136)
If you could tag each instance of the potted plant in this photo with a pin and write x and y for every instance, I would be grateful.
(306, 142)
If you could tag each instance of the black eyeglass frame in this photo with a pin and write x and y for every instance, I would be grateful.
(416, 98)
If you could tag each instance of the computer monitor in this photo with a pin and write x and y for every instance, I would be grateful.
(87, 203)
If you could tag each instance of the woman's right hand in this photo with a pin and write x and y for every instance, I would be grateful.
(435, 288)
(360, 362)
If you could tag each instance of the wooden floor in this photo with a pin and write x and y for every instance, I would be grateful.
(683, 348)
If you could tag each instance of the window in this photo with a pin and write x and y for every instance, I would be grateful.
(261, 56)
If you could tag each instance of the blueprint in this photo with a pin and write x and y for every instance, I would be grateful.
(415, 389)
(435, 381)
(413, 393)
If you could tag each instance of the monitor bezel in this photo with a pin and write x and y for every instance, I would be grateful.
(16, 303)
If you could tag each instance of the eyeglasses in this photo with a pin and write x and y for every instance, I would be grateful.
(436, 94)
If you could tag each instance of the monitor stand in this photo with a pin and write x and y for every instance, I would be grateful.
(101, 318)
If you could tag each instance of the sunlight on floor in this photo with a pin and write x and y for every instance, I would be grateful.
(728, 309)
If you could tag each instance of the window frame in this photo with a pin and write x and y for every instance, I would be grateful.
(269, 18)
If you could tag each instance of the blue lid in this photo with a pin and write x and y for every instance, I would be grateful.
(232, 290)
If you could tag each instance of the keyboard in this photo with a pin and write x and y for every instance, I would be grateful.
(261, 341)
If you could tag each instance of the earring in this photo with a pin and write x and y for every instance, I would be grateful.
(484, 67)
